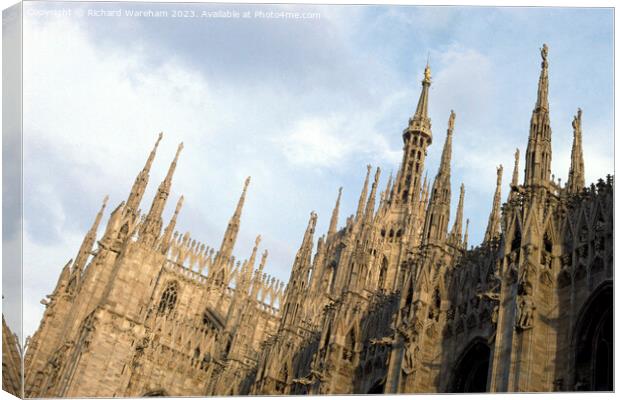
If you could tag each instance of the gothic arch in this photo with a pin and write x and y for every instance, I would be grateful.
(470, 374)
(593, 342)
(168, 299)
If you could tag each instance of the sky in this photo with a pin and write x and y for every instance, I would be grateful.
(300, 105)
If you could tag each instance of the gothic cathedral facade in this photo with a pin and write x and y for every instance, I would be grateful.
(394, 301)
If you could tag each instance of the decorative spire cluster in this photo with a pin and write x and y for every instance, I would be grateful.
(137, 191)
(299, 279)
(151, 227)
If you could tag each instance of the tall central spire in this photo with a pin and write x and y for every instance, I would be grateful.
(538, 154)
(417, 136)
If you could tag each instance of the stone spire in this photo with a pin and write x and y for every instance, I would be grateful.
(362, 200)
(258, 275)
(515, 171)
(88, 242)
(333, 223)
(538, 154)
(388, 188)
(248, 272)
(446, 154)
(493, 226)
(139, 186)
(230, 236)
(168, 232)
(457, 228)
(515, 177)
(151, 228)
(576, 179)
(254, 250)
(370, 206)
(298, 282)
(438, 211)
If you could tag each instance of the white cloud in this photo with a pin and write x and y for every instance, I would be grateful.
(315, 142)
(332, 141)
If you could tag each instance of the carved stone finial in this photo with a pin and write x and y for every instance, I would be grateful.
(451, 120)
(577, 120)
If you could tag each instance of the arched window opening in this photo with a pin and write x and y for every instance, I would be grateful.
(168, 299)
(594, 343)
(471, 372)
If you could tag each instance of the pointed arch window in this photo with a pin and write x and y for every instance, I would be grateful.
(168, 298)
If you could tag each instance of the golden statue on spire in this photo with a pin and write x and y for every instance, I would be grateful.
(427, 73)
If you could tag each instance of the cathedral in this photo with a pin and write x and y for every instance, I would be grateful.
(392, 300)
